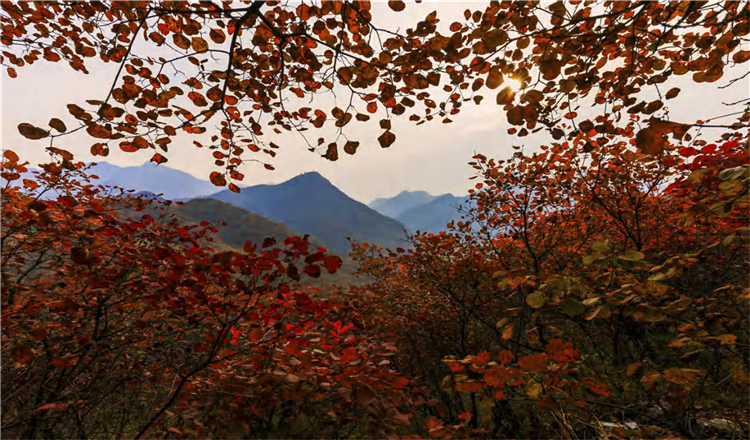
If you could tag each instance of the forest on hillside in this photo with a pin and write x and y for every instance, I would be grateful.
(596, 285)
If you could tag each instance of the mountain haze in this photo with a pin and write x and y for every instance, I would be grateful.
(434, 215)
(394, 206)
(150, 177)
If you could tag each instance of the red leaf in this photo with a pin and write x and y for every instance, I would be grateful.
(596, 387)
(396, 5)
(561, 352)
(58, 125)
(312, 270)
(39, 334)
(218, 179)
(217, 36)
(158, 158)
(505, 357)
(256, 335)
(48, 406)
(200, 347)
(366, 395)
(31, 132)
(268, 242)
(386, 139)
(351, 147)
(11, 156)
(535, 362)
(332, 263)
(64, 362)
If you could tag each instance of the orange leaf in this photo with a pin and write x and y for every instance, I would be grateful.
(652, 139)
(495, 78)
(505, 96)
(683, 376)
(58, 125)
(596, 387)
(199, 44)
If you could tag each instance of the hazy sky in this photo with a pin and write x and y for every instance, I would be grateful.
(431, 157)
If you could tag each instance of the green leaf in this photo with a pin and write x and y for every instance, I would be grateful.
(600, 312)
(661, 276)
(591, 301)
(731, 173)
(536, 299)
(650, 315)
(573, 307)
(632, 256)
(601, 246)
(592, 258)
(502, 323)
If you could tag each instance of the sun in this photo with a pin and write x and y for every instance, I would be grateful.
(514, 84)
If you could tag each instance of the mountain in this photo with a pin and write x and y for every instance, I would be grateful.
(150, 177)
(394, 206)
(434, 215)
(309, 203)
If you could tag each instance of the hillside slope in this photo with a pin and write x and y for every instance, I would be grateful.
(241, 225)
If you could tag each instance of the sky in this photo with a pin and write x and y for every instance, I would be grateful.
(431, 157)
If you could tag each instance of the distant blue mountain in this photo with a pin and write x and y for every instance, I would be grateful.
(150, 180)
(157, 179)
(394, 206)
(310, 204)
(434, 215)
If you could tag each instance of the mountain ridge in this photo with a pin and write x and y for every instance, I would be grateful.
(171, 183)
(394, 206)
(310, 203)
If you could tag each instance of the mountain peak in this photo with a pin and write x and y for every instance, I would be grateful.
(309, 176)
(309, 203)
(311, 179)
(414, 193)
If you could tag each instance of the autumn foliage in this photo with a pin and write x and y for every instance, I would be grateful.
(582, 285)
(111, 325)
(252, 67)
(596, 286)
